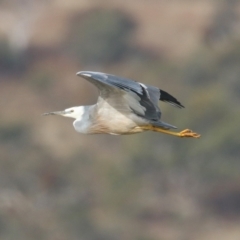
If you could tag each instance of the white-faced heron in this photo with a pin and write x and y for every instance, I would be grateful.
(123, 107)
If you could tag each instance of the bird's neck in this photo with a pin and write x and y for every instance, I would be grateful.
(84, 122)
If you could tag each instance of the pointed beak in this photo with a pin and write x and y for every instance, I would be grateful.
(54, 113)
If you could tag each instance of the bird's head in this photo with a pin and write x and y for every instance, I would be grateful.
(73, 112)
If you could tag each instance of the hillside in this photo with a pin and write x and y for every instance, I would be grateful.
(57, 184)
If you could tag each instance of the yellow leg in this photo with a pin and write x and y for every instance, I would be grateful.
(184, 133)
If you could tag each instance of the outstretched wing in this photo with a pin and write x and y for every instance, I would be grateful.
(125, 93)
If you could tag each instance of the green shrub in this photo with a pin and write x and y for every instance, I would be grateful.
(101, 36)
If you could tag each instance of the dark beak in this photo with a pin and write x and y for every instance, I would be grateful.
(54, 113)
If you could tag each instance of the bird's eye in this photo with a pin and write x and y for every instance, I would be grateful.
(72, 111)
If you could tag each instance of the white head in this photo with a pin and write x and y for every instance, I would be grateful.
(73, 112)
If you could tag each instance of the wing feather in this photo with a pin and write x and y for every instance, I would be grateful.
(114, 89)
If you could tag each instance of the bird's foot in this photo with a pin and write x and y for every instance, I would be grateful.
(188, 133)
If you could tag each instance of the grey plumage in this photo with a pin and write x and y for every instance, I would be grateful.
(141, 99)
(124, 106)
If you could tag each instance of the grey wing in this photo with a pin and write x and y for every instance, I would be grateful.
(117, 90)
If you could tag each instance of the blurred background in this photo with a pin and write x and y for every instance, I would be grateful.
(56, 184)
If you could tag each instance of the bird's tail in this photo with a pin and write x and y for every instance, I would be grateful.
(163, 125)
(166, 97)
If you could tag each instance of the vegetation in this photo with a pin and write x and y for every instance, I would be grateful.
(100, 36)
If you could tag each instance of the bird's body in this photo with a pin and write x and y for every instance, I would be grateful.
(123, 107)
(108, 121)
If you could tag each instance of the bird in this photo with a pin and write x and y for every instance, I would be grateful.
(123, 107)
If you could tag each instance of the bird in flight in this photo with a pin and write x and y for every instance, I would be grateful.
(123, 107)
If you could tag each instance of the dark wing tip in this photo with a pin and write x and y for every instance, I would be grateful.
(166, 97)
